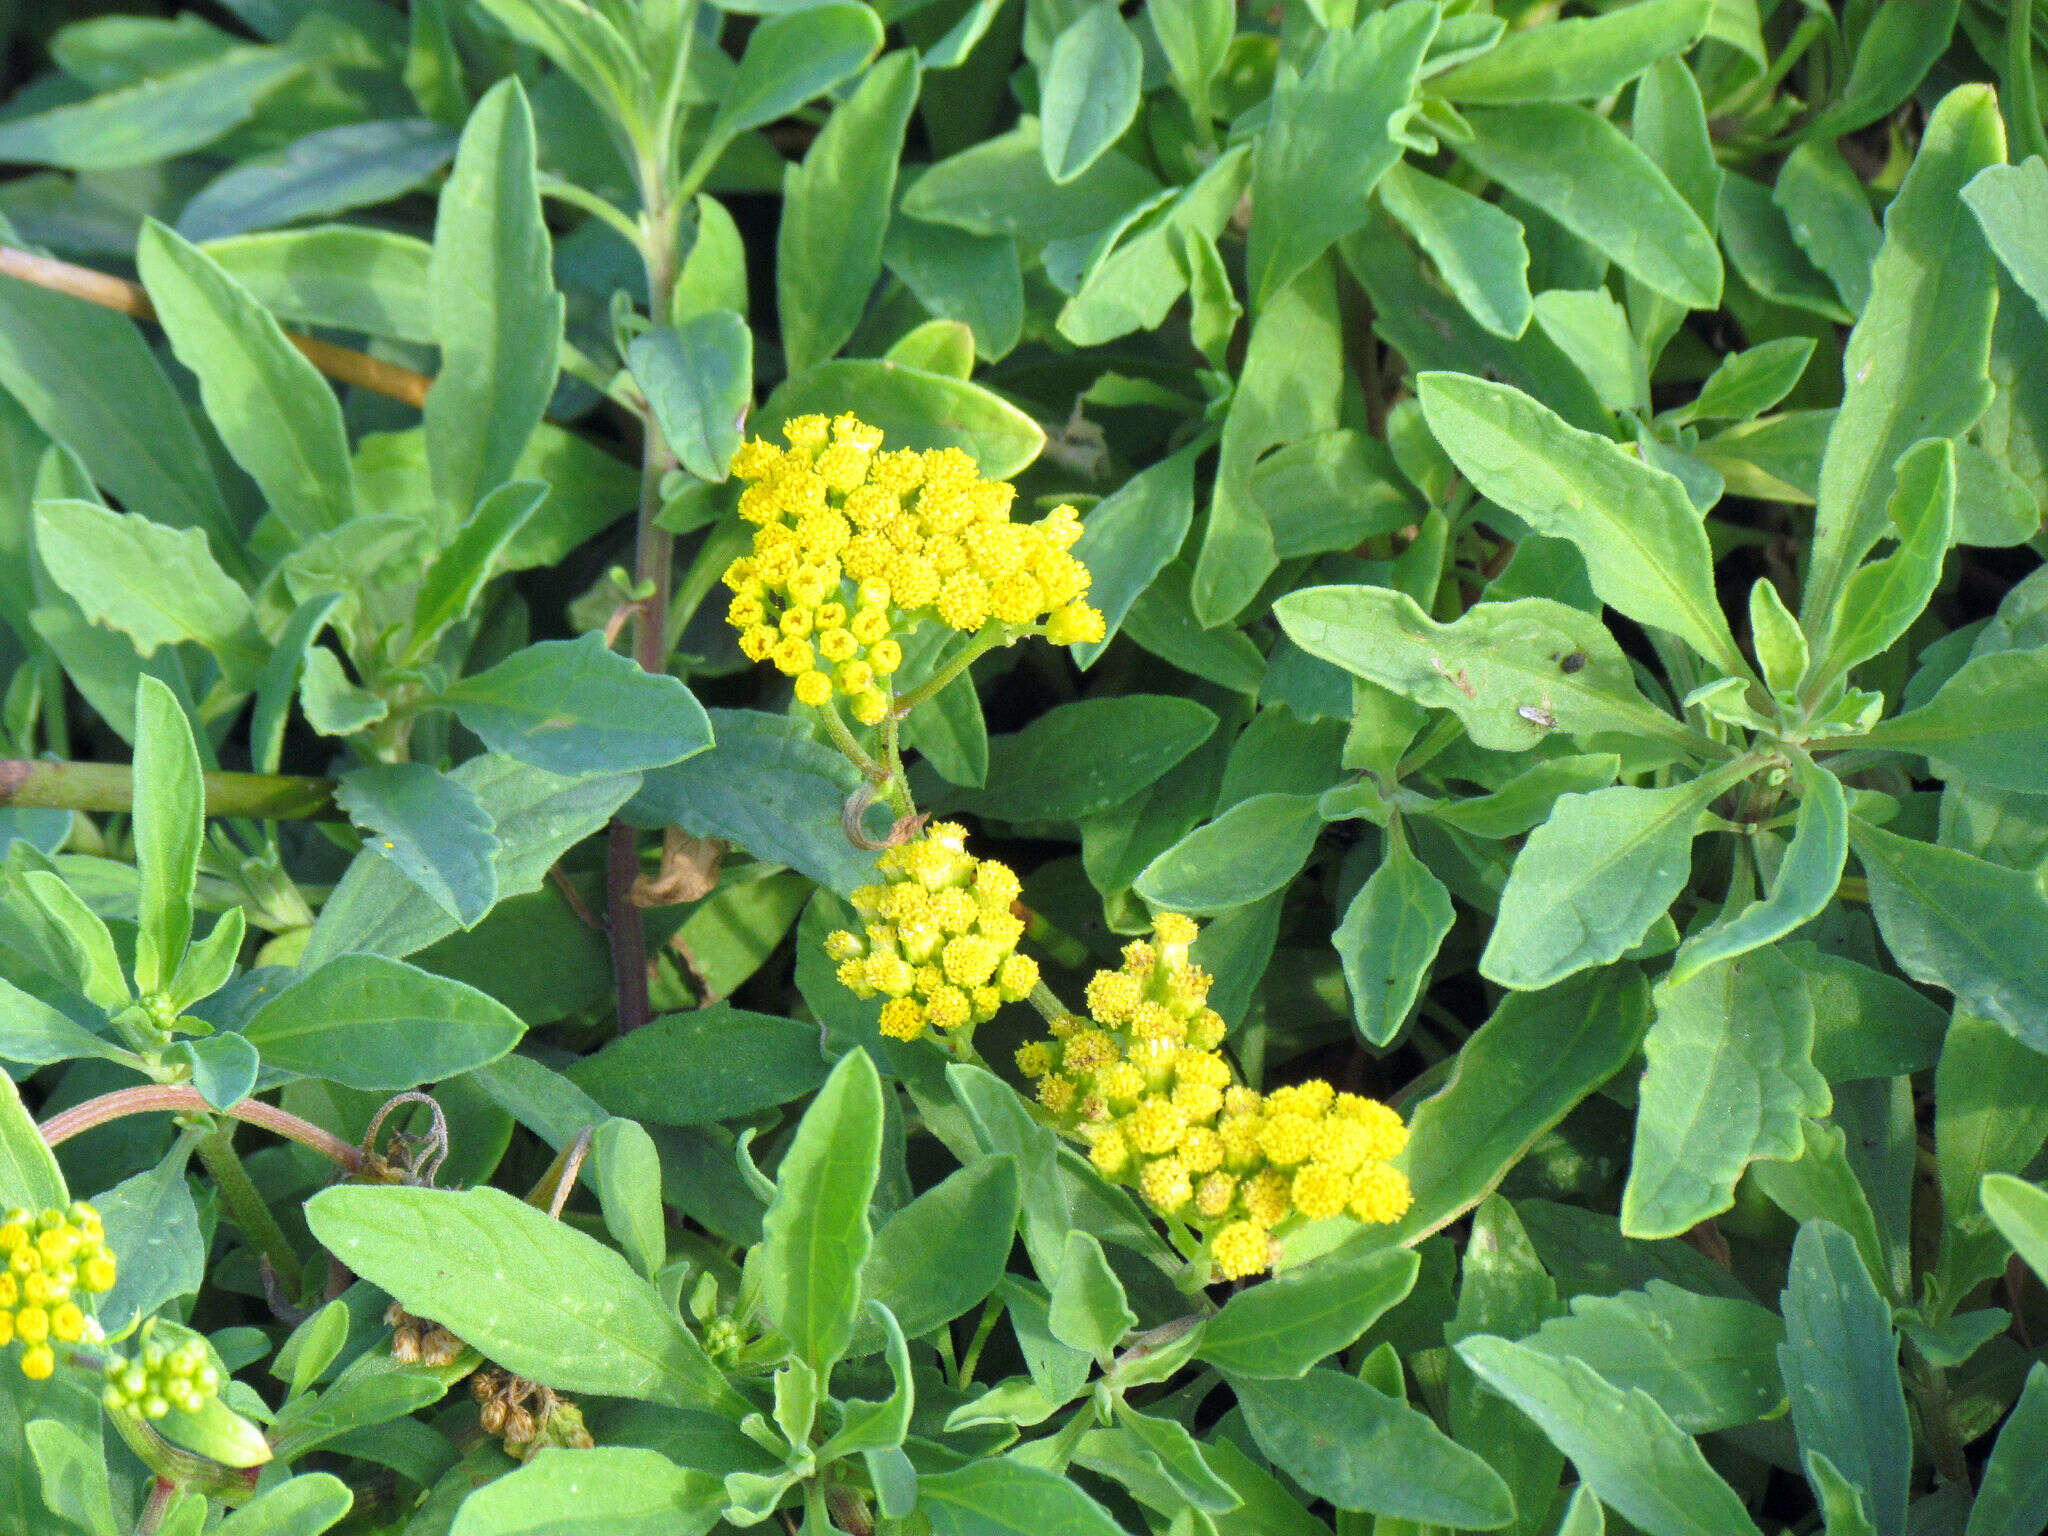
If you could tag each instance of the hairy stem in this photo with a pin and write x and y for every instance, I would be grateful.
(342, 363)
(245, 1206)
(154, 1508)
(29, 784)
(80, 1118)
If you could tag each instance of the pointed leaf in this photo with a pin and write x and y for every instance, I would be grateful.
(573, 706)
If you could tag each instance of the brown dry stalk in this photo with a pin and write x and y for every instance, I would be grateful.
(343, 363)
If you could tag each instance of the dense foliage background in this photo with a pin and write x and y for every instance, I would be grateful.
(1564, 488)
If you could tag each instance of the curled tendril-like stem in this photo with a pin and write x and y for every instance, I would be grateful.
(900, 832)
(415, 1158)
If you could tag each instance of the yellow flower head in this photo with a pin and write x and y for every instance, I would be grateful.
(944, 954)
(894, 537)
(53, 1260)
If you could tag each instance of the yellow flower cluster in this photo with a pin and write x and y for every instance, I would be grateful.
(854, 546)
(46, 1259)
(940, 940)
(1142, 1082)
(162, 1377)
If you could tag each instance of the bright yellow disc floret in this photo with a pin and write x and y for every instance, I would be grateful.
(53, 1260)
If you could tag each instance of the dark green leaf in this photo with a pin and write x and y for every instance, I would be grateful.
(1250, 851)
(573, 706)
(914, 409)
(154, 120)
(370, 1022)
(791, 59)
(1283, 1326)
(456, 578)
(699, 381)
(170, 822)
(1054, 770)
(348, 166)
(430, 826)
(1389, 937)
(1580, 59)
(1089, 92)
(716, 1063)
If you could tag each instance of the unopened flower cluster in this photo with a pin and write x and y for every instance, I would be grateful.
(47, 1261)
(940, 941)
(1142, 1082)
(853, 546)
(162, 1377)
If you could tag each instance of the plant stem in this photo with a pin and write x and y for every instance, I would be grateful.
(350, 367)
(161, 1492)
(29, 784)
(1043, 999)
(2020, 96)
(246, 1208)
(653, 560)
(157, 1098)
(989, 1315)
(842, 738)
(968, 655)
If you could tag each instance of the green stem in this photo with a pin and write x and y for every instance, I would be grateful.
(28, 784)
(246, 1208)
(2019, 79)
(980, 646)
(842, 738)
(987, 1326)
(897, 789)
(161, 1492)
(581, 197)
(1047, 1004)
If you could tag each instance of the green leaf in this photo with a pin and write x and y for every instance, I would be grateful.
(1000, 187)
(1806, 880)
(607, 1490)
(73, 1470)
(1251, 850)
(1591, 880)
(351, 165)
(699, 382)
(333, 705)
(431, 827)
(209, 963)
(1749, 382)
(80, 940)
(1334, 131)
(340, 275)
(497, 316)
(1389, 937)
(456, 578)
(157, 585)
(1344, 1441)
(1287, 390)
(272, 408)
(1916, 364)
(1729, 1076)
(304, 1357)
(2012, 1492)
(586, 46)
(1591, 328)
(1478, 249)
(1088, 1310)
(35, 1034)
(367, 1021)
(716, 1063)
(835, 213)
(1990, 1110)
(170, 821)
(1195, 36)
(1089, 91)
(2011, 206)
(1983, 725)
(1579, 169)
(573, 706)
(1897, 48)
(155, 120)
(914, 409)
(946, 1250)
(1054, 770)
(999, 1496)
(1641, 540)
(629, 1192)
(28, 1171)
(1709, 1362)
(766, 786)
(1578, 59)
(1841, 1365)
(153, 1228)
(1527, 798)
(538, 1297)
(300, 1506)
(815, 1235)
(1282, 1327)
(1959, 923)
(791, 59)
(1002, 1124)
(87, 378)
(1827, 208)
(222, 1067)
(1625, 1447)
(1511, 672)
(1524, 1070)
(1881, 600)
(1173, 1451)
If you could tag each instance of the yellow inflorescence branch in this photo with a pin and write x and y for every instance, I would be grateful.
(854, 547)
